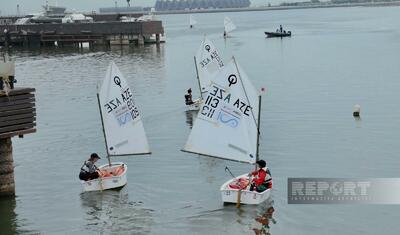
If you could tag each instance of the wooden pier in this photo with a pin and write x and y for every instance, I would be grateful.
(96, 33)
(17, 118)
(17, 112)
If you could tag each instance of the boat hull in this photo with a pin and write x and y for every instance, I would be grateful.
(195, 106)
(278, 34)
(230, 195)
(105, 183)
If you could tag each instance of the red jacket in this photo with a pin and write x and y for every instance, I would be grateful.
(259, 176)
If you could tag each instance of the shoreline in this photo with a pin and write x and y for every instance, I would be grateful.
(275, 8)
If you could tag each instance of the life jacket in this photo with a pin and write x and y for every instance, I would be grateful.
(188, 99)
(241, 183)
(119, 170)
(268, 178)
(84, 168)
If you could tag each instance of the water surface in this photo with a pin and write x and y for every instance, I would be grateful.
(336, 58)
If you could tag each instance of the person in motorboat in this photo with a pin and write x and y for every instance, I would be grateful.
(262, 179)
(188, 97)
(89, 169)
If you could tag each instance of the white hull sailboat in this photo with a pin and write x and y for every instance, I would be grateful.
(228, 127)
(122, 128)
(230, 194)
(208, 63)
(229, 26)
(114, 180)
(195, 106)
(192, 21)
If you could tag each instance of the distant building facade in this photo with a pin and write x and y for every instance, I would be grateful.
(120, 9)
(165, 5)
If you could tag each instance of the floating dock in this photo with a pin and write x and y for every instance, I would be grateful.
(96, 33)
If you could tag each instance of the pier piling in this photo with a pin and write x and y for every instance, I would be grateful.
(140, 40)
(7, 186)
(158, 38)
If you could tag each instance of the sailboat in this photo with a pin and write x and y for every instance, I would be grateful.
(122, 127)
(192, 21)
(227, 127)
(229, 26)
(208, 62)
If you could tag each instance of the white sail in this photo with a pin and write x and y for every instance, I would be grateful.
(208, 63)
(226, 125)
(192, 21)
(123, 127)
(229, 25)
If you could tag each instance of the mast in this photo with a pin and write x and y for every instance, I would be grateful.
(104, 132)
(198, 78)
(258, 129)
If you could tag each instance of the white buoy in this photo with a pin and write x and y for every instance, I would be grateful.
(356, 110)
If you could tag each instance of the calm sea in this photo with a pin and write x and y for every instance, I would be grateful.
(335, 59)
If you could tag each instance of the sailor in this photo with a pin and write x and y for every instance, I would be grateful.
(281, 28)
(225, 34)
(89, 169)
(188, 97)
(6, 38)
(262, 177)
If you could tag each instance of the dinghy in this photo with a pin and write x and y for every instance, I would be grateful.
(278, 34)
(231, 189)
(122, 127)
(227, 127)
(195, 106)
(229, 26)
(192, 21)
(208, 62)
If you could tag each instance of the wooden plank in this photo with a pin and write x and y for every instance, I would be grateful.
(16, 107)
(17, 127)
(17, 122)
(17, 112)
(15, 133)
(19, 116)
(15, 102)
(16, 97)
(18, 91)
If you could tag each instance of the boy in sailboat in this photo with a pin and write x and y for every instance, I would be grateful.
(262, 177)
(188, 97)
(89, 169)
